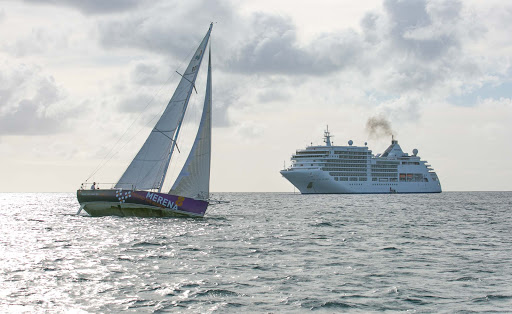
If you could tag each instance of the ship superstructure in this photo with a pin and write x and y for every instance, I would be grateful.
(354, 169)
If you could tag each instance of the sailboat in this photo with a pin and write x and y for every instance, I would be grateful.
(139, 190)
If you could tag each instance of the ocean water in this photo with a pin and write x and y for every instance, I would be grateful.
(262, 252)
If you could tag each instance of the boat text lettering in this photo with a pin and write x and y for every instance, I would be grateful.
(162, 201)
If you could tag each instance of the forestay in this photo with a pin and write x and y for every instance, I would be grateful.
(147, 170)
(194, 178)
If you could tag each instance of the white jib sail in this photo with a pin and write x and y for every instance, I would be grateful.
(148, 168)
(194, 178)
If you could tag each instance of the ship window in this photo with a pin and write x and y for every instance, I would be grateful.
(353, 179)
(343, 179)
(335, 178)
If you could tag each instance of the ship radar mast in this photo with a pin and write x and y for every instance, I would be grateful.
(327, 137)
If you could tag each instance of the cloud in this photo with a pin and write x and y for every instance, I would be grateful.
(415, 50)
(409, 47)
(414, 32)
(93, 6)
(271, 95)
(274, 48)
(173, 29)
(249, 131)
(30, 103)
(134, 104)
(262, 43)
(150, 74)
(38, 41)
(29, 119)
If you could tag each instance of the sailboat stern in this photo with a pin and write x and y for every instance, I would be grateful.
(125, 203)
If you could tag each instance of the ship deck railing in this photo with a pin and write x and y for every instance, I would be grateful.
(106, 186)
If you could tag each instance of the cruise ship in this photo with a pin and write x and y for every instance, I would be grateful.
(329, 169)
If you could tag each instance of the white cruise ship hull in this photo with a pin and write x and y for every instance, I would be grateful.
(320, 182)
(355, 170)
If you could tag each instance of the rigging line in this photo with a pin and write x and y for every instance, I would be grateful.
(186, 132)
(176, 159)
(162, 132)
(193, 85)
(135, 135)
(167, 82)
(162, 165)
(162, 110)
(103, 163)
(162, 180)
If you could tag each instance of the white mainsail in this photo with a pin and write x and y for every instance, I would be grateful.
(148, 168)
(194, 178)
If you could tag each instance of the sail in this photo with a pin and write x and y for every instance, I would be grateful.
(194, 178)
(147, 170)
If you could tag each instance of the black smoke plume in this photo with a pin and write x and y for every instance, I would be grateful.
(378, 127)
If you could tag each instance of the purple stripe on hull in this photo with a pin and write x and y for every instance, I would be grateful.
(161, 201)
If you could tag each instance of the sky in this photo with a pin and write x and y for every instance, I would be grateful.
(82, 82)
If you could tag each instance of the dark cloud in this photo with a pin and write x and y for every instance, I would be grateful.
(370, 25)
(265, 43)
(411, 47)
(147, 34)
(29, 119)
(274, 48)
(262, 43)
(409, 17)
(420, 47)
(172, 29)
(447, 11)
(27, 102)
(93, 6)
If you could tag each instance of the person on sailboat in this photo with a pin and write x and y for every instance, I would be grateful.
(93, 186)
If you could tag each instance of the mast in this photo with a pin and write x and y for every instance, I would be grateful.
(194, 178)
(149, 166)
(327, 137)
(175, 138)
